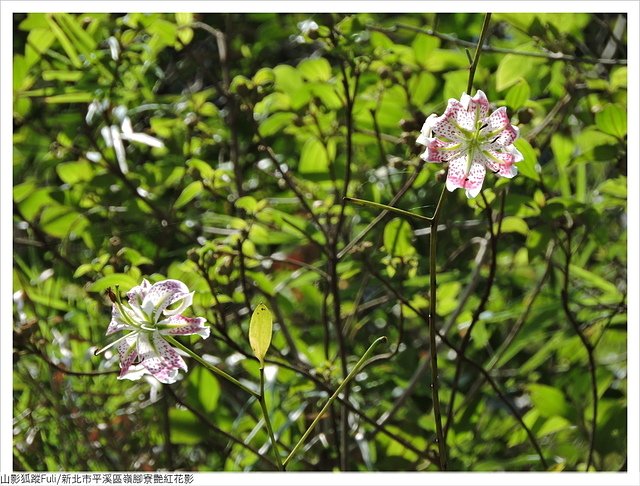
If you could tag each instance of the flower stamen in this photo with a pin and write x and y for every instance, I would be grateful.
(470, 152)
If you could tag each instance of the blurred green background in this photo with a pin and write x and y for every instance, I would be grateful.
(183, 146)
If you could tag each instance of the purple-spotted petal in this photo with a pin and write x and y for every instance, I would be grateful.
(426, 131)
(439, 151)
(128, 350)
(136, 294)
(458, 178)
(135, 372)
(117, 322)
(473, 184)
(183, 326)
(502, 163)
(479, 104)
(466, 130)
(163, 294)
(448, 126)
(159, 358)
(517, 155)
(498, 120)
(505, 138)
(462, 116)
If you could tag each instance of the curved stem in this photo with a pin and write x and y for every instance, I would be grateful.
(545, 54)
(209, 366)
(384, 207)
(433, 237)
(476, 58)
(265, 414)
(589, 348)
(493, 265)
(344, 383)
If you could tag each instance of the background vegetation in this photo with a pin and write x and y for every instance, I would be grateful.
(266, 122)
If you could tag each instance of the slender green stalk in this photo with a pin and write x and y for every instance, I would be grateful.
(259, 396)
(344, 383)
(209, 366)
(476, 58)
(435, 383)
(265, 414)
(433, 237)
(384, 207)
(433, 222)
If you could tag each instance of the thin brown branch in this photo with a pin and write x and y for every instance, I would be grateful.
(553, 56)
(587, 346)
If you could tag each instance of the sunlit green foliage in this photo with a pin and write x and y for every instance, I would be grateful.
(243, 202)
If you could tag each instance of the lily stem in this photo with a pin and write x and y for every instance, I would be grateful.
(476, 57)
(433, 236)
(435, 383)
(265, 414)
(344, 383)
(384, 207)
(210, 367)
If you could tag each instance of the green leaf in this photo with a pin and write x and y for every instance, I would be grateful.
(313, 158)
(422, 86)
(73, 172)
(315, 69)
(397, 238)
(164, 31)
(423, 45)
(21, 81)
(513, 68)
(81, 39)
(206, 171)
(248, 203)
(289, 81)
(262, 281)
(260, 330)
(60, 221)
(49, 302)
(613, 187)
(447, 60)
(553, 425)
(378, 39)
(264, 76)
(548, 401)
(38, 42)
(594, 281)
(185, 33)
(65, 42)
(448, 299)
(618, 77)
(518, 95)
(34, 21)
(512, 224)
(23, 190)
(391, 109)
(204, 388)
(185, 427)
(70, 97)
(562, 148)
(184, 18)
(275, 123)
(188, 193)
(613, 121)
(122, 280)
(35, 201)
(528, 167)
(134, 256)
(455, 83)
(69, 76)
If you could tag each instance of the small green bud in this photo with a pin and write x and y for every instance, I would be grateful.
(260, 330)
